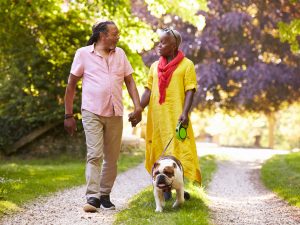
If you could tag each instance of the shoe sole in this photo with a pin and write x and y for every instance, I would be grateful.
(111, 208)
(89, 208)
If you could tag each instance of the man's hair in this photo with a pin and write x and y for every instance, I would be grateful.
(99, 27)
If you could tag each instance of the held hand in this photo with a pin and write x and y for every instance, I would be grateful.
(135, 117)
(184, 119)
(70, 125)
(131, 118)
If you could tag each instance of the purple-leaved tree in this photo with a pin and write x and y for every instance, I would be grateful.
(240, 62)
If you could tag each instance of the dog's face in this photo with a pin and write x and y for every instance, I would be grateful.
(164, 173)
(167, 174)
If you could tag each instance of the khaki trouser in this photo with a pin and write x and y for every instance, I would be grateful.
(103, 139)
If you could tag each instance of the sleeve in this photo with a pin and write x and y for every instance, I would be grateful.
(190, 79)
(127, 66)
(150, 77)
(77, 65)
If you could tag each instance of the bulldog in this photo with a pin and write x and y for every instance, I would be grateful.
(167, 174)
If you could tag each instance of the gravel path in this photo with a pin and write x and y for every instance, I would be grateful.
(237, 195)
(66, 207)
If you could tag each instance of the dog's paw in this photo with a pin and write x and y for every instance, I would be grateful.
(159, 209)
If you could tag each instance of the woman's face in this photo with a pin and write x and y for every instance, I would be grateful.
(167, 45)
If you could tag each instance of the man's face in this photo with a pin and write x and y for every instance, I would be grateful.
(111, 37)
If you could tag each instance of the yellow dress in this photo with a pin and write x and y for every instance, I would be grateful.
(162, 120)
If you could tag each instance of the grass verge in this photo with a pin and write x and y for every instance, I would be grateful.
(194, 211)
(281, 174)
(24, 180)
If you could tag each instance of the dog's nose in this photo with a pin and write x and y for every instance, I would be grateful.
(161, 179)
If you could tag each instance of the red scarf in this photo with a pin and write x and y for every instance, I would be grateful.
(165, 72)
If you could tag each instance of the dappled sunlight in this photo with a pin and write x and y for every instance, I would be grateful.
(138, 43)
(8, 206)
(18, 186)
(65, 6)
(200, 24)
(31, 170)
(31, 90)
(248, 130)
(197, 191)
(252, 10)
(62, 178)
(270, 58)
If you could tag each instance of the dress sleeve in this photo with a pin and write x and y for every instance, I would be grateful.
(150, 77)
(77, 68)
(190, 79)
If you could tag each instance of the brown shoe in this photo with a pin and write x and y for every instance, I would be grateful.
(91, 205)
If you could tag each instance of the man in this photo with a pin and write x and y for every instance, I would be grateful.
(103, 68)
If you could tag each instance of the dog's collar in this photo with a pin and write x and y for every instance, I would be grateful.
(167, 187)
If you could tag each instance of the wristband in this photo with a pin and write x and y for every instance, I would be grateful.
(67, 116)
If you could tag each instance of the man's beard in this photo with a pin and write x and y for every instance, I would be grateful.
(113, 47)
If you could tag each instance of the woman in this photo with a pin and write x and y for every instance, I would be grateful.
(169, 93)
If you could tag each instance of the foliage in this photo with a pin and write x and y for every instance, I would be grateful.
(245, 67)
(186, 10)
(38, 42)
(240, 62)
(290, 33)
(24, 180)
(194, 211)
(281, 174)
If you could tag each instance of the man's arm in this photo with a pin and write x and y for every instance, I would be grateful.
(144, 102)
(69, 122)
(136, 116)
(188, 100)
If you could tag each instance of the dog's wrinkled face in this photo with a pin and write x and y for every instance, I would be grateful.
(164, 173)
(167, 174)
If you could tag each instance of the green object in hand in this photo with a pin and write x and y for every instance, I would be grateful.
(181, 131)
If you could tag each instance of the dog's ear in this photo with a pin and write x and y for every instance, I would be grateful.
(174, 165)
(155, 165)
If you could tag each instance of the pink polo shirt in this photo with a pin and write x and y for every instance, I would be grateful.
(101, 81)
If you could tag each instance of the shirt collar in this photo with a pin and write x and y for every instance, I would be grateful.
(92, 48)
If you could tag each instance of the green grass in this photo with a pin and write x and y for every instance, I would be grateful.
(24, 180)
(281, 174)
(194, 211)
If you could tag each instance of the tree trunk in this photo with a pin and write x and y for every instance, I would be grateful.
(271, 123)
(30, 137)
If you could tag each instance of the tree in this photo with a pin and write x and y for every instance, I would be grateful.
(261, 73)
(241, 63)
(38, 42)
(291, 34)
